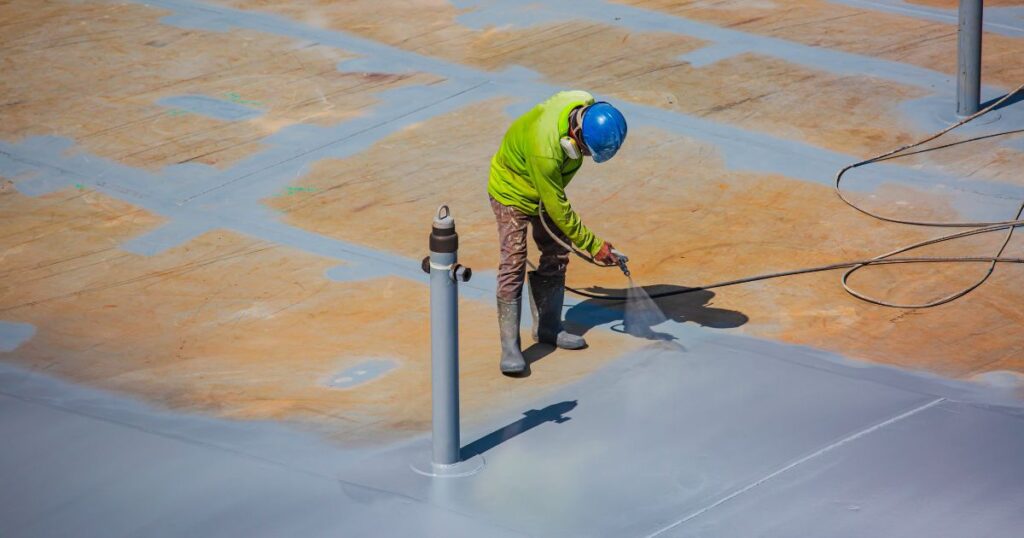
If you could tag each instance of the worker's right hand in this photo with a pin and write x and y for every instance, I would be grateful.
(605, 255)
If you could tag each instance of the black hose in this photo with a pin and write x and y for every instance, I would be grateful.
(884, 259)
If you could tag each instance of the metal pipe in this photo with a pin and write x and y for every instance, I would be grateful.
(444, 336)
(968, 81)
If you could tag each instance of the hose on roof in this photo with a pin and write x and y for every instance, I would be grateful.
(973, 228)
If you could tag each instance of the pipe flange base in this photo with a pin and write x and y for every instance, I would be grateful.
(424, 466)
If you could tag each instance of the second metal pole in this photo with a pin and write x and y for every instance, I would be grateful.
(968, 80)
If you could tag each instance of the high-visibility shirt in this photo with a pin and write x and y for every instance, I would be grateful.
(531, 166)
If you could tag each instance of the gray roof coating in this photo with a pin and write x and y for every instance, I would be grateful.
(732, 437)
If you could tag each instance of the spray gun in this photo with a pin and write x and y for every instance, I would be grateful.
(623, 260)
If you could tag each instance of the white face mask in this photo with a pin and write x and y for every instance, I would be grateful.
(570, 148)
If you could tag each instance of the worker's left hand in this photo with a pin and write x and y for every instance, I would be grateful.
(605, 255)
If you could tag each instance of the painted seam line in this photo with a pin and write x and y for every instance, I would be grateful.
(304, 153)
(800, 461)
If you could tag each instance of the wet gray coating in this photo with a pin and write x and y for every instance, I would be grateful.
(12, 334)
(732, 437)
(362, 372)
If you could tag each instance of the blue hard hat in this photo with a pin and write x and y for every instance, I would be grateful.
(604, 130)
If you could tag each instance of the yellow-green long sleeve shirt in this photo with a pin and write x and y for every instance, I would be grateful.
(530, 166)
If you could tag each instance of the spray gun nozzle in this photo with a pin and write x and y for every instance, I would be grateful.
(623, 260)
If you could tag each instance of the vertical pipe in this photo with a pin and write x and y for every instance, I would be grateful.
(968, 81)
(444, 338)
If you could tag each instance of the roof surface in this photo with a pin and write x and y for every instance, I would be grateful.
(213, 320)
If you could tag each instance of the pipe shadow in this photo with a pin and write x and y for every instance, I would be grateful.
(693, 307)
(531, 419)
(1011, 101)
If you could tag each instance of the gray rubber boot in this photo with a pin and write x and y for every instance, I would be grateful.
(547, 293)
(512, 361)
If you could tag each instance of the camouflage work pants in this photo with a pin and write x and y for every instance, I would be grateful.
(512, 224)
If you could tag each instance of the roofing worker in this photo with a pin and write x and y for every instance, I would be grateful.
(541, 152)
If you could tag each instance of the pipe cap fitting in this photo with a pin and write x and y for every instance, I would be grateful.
(444, 220)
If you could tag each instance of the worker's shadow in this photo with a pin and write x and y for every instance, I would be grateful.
(534, 353)
(553, 413)
(692, 307)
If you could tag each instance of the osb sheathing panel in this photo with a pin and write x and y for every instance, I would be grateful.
(117, 116)
(853, 114)
(821, 23)
(954, 4)
(107, 65)
(685, 219)
(238, 327)
(850, 114)
(972, 157)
